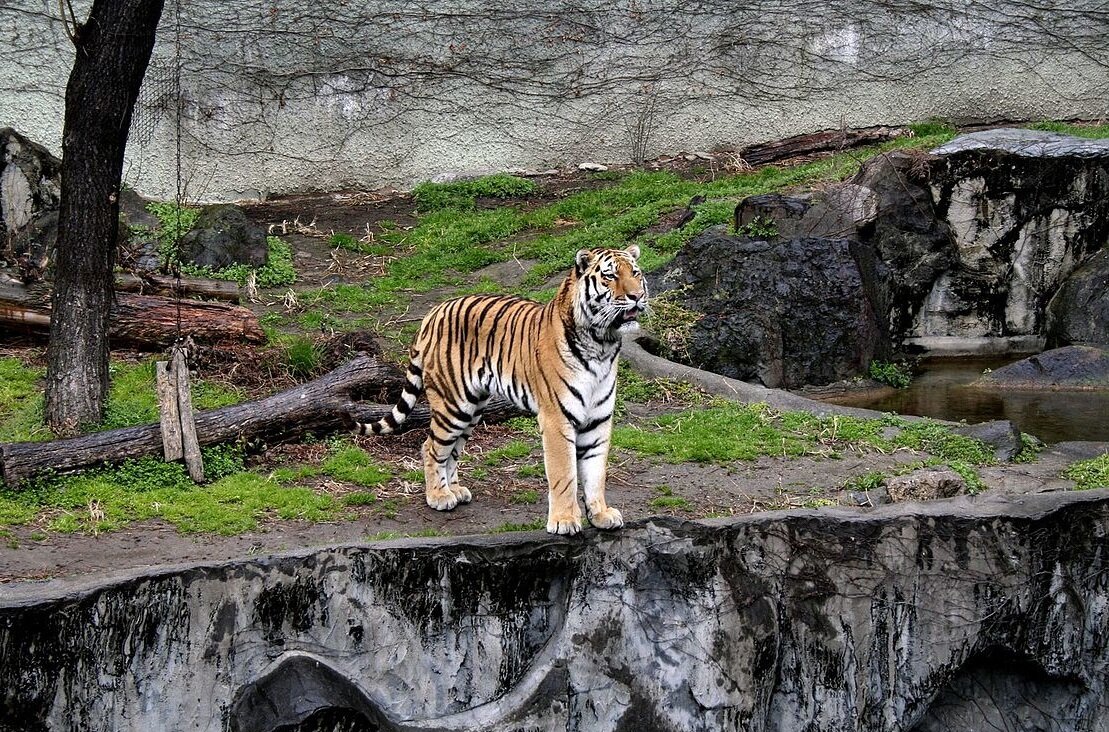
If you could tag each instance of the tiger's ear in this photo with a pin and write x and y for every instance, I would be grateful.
(633, 251)
(582, 260)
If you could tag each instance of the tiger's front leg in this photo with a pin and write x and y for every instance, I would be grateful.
(559, 459)
(592, 457)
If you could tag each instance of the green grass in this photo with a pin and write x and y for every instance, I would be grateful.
(726, 432)
(464, 194)
(131, 399)
(351, 464)
(452, 238)
(512, 451)
(525, 497)
(509, 526)
(1090, 131)
(20, 402)
(110, 498)
(1088, 474)
(667, 499)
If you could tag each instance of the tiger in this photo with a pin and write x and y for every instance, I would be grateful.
(554, 360)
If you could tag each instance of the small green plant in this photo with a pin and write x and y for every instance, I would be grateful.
(526, 497)
(669, 502)
(302, 357)
(898, 375)
(534, 470)
(343, 241)
(351, 464)
(512, 451)
(511, 526)
(869, 481)
(464, 194)
(1088, 474)
(672, 323)
(359, 498)
(759, 227)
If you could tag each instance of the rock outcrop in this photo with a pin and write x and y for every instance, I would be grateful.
(1078, 313)
(30, 190)
(224, 236)
(1070, 367)
(959, 614)
(781, 311)
(1026, 209)
(959, 252)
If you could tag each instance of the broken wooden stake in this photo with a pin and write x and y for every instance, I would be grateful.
(175, 407)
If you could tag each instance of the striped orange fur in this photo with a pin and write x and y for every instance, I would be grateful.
(556, 360)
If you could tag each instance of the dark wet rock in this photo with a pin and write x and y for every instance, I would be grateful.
(886, 620)
(1071, 367)
(1078, 314)
(1000, 434)
(782, 312)
(224, 236)
(926, 484)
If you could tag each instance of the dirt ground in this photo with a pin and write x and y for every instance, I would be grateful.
(504, 499)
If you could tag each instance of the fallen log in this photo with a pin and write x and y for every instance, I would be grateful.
(817, 142)
(319, 407)
(147, 321)
(155, 284)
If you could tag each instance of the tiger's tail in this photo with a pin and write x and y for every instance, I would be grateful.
(413, 387)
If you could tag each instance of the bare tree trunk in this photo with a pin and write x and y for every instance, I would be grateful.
(113, 50)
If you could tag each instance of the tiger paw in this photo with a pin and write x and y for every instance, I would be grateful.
(566, 525)
(462, 494)
(442, 500)
(609, 518)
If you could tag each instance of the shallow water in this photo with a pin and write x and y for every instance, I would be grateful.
(941, 390)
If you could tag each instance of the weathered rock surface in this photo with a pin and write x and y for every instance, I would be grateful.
(30, 189)
(1078, 313)
(960, 614)
(925, 485)
(1071, 367)
(784, 312)
(1026, 209)
(224, 236)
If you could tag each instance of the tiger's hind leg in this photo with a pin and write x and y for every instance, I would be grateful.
(451, 426)
(463, 493)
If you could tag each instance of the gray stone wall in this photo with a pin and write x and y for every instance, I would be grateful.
(287, 96)
(959, 614)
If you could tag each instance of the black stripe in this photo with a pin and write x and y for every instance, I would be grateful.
(594, 424)
(572, 390)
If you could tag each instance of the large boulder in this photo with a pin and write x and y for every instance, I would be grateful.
(224, 236)
(1070, 367)
(785, 312)
(1079, 311)
(1026, 209)
(30, 189)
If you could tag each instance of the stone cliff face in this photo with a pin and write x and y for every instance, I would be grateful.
(949, 615)
(994, 243)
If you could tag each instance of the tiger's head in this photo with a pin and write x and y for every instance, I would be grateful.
(610, 292)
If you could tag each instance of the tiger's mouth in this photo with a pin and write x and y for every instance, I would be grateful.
(629, 316)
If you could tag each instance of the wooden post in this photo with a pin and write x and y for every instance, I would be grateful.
(189, 444)
(168, 413)
(175, 408)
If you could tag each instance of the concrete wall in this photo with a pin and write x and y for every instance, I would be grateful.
(288, 96)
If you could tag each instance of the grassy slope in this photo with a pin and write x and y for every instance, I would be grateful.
(452, 238)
